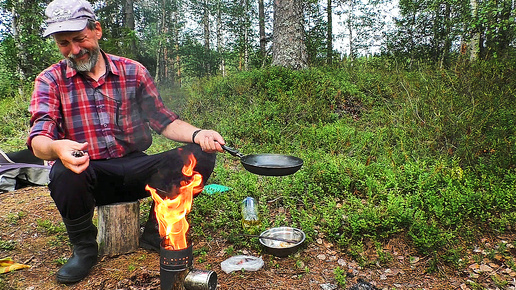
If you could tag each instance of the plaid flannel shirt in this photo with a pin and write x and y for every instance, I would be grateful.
(112, 114)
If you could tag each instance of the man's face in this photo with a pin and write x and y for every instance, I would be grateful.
(80, 48)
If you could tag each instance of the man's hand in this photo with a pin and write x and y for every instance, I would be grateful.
(209, 141)
(73, 156)
(66, 150)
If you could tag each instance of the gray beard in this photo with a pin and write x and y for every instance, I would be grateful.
(86, 66)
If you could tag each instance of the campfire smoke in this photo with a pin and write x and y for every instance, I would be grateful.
(176, 254)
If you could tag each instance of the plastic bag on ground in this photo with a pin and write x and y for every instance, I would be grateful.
(236, 263)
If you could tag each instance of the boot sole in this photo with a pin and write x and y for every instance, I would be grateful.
(73, 279)
(70, 280)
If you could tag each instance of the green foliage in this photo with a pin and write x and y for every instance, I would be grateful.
(7, 245)
(197, 61)
(13, 218)
(425, 30)
(23, 52)
(340, 276)
(60, 261)
(49, 228)
(201, 254)
(265, 101)
(120, 44)
(145, 206)
(317, 26)
(14, 116)
(58, 240)
(8, 77)
(387, 151)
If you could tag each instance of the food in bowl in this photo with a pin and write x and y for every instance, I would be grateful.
(282, 248)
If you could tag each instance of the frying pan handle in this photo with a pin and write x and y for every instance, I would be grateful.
(232, 151)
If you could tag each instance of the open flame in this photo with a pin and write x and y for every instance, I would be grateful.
(171, 213)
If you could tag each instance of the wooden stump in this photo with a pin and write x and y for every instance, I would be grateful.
(118, 228)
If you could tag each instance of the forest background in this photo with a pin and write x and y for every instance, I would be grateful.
(409, 133)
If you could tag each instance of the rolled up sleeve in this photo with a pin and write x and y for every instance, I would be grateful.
(44, 109)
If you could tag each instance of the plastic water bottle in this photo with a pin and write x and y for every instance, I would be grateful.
(250, 217)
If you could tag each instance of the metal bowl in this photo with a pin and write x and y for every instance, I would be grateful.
(281, 248)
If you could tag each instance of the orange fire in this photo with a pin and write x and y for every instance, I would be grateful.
(171, 213)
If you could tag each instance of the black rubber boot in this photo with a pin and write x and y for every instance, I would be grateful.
(150, 238)
(83, 236)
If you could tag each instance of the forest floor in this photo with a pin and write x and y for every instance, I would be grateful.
(27, 216)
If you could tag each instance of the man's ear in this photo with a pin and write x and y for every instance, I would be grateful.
(98, 30)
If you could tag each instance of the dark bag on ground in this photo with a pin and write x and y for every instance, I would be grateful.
(20, 169)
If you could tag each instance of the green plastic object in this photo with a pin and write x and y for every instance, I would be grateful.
(214, 188)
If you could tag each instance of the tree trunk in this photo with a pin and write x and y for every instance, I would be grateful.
(329, 36)
(206, 25)
(178, 66)
(446, 37)
(176, 63)
(19, 49)
(352, 49)
(162, 53)
(261, 24)
(289, 47)
(245, 29)
(246, 35)
(118, 228)
(475, 37)
(220, 44)
(159, 52)
(129, 23)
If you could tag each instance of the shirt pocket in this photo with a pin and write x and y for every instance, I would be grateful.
(128, 115)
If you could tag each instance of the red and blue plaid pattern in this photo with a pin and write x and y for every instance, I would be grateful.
(112, 114)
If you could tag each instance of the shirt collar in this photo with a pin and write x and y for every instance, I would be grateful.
(110, 65)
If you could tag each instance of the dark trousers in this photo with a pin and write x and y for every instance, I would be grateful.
(123, 179)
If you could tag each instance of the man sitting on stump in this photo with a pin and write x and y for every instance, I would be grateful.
(91, 113)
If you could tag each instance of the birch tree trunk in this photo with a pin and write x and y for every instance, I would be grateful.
(289, 47)
(206, 29)
(475, 37)
(329, 36)
(246, 35)
(206, 25)
(220, 37)
(352, 49)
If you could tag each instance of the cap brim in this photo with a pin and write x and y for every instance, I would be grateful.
(69, 25)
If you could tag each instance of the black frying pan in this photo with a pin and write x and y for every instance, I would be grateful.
(267, 164)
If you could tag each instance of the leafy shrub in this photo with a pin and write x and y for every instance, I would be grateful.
(15, 118)
(416, 160)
